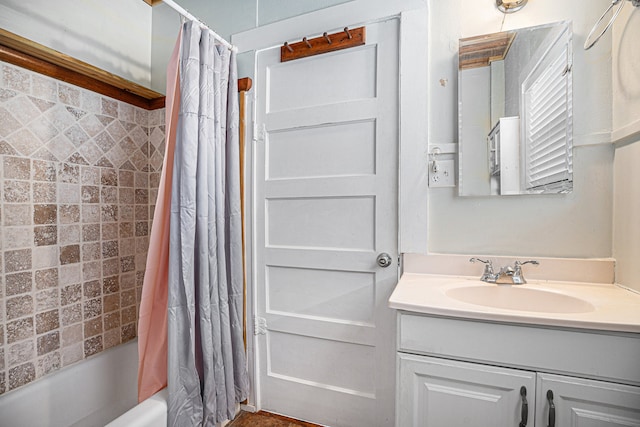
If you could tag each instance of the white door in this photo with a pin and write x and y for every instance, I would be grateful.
(326, 207)
(445, 393)
(585, 403)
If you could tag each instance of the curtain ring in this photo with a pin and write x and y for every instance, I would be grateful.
(326, 37)
(306, 42)
(289, 48)
(587, 44)
(346, 30)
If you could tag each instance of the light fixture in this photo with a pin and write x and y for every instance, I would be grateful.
(510, 6)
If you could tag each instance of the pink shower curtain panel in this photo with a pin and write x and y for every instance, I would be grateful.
(152, 323)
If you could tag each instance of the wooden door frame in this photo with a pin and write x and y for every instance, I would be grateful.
(412, 144)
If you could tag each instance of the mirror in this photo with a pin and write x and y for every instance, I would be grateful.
(515, 112)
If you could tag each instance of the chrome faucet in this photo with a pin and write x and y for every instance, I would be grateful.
(513, 275)
(488, 275)
(506, 275)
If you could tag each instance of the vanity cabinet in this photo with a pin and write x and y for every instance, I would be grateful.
(586, 403)
(438, 392)
(454, 372)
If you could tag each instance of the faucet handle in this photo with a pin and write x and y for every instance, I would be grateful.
(518, 264)
(488, 275)
(531, 261)
(518, 278)
(487, 263)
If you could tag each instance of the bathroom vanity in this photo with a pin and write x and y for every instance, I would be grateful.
(546, 353)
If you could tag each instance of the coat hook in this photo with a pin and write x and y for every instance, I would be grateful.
(326, 37)
(289, 48)
(346, 30)
(306, 42)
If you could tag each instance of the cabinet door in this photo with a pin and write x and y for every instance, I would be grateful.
(586, 403)
(444, 393)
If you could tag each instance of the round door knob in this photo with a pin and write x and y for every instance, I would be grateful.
(384, 260)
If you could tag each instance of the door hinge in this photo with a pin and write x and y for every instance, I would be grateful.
(259, 326)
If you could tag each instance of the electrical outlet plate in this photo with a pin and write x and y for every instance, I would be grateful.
(443, 175)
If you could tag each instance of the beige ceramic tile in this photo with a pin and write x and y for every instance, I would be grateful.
(74, 221)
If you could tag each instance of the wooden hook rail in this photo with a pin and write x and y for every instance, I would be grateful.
(323, 44)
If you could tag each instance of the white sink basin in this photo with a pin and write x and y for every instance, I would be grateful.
(511, 297)
(595, 306)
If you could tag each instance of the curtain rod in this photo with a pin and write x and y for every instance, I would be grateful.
(175, 6)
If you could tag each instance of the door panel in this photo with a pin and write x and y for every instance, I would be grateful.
(343, 149)
(438, 392)
(347, 223)
(346, 296)
(346, 366)
(587, 403)
(326, 198)
(345, 76)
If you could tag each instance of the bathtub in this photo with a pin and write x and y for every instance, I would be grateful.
(153, 413)
(90, 393)
(100, 391)
(150, 413)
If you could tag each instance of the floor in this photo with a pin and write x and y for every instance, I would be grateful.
(266, 419)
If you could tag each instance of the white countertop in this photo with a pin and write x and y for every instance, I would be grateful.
(614, 308)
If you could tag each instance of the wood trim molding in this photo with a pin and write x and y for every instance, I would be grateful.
(47, 54)
(152, 2)
(33, 56)
(32, 63)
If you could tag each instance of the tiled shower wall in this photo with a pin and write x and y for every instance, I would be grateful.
(78, 180)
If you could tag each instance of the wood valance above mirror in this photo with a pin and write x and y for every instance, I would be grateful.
(479, 51)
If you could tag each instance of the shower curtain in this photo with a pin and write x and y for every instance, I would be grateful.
(152, 320)
(206, 365)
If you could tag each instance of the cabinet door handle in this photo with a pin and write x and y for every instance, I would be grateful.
(524, 414)
(552, 409)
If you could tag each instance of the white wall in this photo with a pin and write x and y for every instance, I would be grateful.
(165, 28)
(270, 11)
(113, 35)
(626, 236)
(626, 125)
(573, 225)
